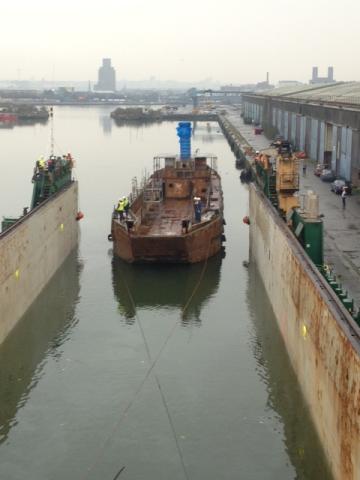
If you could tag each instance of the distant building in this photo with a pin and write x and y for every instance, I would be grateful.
(289, 83)
(248, 86)
(264, 85)
(106, 77)
(235, 88)
(316, 79)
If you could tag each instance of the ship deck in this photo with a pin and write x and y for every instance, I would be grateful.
(166, 219)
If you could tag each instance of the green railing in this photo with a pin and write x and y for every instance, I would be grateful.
(47, 182)
(342, 294)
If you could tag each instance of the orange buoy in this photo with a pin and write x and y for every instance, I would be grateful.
(246, 220)
(79, 216)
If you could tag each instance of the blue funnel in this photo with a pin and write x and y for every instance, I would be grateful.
(184, 134)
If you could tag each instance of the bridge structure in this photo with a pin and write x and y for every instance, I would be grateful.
(196, 94)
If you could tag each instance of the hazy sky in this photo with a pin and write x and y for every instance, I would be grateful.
(188, 40)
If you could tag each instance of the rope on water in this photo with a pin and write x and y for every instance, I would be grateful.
(119, 473)
(152, 362)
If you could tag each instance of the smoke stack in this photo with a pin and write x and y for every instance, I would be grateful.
(267, 78)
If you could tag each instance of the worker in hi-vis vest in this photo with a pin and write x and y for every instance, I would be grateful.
(126, 205)
(120, 208)
(41, 163)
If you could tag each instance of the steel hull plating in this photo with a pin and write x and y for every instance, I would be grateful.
(192, 247)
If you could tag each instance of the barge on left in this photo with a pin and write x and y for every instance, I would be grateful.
(34, 246)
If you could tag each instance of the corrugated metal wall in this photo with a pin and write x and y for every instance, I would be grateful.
(334, 148)
(328, 137)
(308, 135)
(293, 130)
(355, 154)
(345, 153)
(314, 139)
(321, 142)
(253, 111)
(302, 133)
(286, 125)
(349, 153)
(298, 130)
(279, 121)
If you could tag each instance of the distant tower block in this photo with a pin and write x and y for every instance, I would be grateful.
(316, 79)
(315, 73)
(106, 77)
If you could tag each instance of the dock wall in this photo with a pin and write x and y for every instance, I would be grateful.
(322, 340)
(32, 250)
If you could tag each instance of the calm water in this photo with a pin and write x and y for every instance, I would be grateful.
(158, 372)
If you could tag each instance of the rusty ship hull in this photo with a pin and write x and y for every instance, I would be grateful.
(161, 226)
(188, 248)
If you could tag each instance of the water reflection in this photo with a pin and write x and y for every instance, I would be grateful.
(206, 132)
(28, 122)
(136, 123)
(187, 287)
(5, 124)
(106, 123)
(21, 122)
(273, 366)
(40, 334)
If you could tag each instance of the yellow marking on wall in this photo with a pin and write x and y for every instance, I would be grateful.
(61, 227)
(17, 274)
(304, 330)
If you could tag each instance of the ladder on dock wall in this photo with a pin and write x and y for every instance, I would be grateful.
(272, 193)
(41, 191)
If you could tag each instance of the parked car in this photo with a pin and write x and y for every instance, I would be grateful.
(327, 175)
(338, 185)
(348, 187)
(318, 169)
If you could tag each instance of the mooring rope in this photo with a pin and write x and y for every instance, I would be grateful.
(152, 365)
(195, 289)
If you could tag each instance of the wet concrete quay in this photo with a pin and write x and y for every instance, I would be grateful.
(341, 227)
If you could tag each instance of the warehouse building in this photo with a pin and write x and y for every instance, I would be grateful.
(322, 120)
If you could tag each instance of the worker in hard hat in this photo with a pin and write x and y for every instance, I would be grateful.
(197, 209)
(41, 164)
(126, 205)
(120, 208)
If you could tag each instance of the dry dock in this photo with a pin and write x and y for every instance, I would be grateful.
(322, 339)
(32, 250)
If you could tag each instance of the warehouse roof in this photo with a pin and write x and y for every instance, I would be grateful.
(286, 90)
(346, 92)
